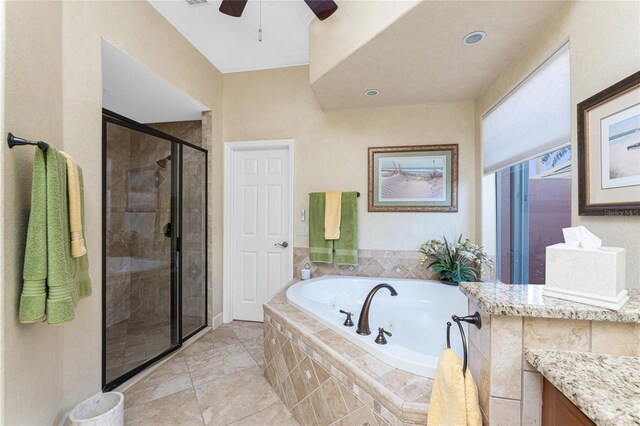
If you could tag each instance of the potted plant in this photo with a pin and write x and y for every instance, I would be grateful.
(455, 262)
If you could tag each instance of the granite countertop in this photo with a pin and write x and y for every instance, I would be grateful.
(605, 387)
(526, 300)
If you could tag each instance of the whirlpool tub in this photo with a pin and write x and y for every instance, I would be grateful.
(416, 317)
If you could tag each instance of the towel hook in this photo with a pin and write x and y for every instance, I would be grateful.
(471, 319)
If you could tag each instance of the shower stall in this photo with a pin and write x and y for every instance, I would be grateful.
(154, 246)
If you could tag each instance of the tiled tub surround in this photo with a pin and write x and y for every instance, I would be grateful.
(605, 387)
(323, 378)
(518, 317)
(371, 263)
(416, 316)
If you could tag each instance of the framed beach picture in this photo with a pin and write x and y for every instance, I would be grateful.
(420, 178)
(609, 151)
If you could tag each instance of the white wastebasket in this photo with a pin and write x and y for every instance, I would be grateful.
(105, 409)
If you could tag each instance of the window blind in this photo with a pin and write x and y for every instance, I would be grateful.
(532, 119)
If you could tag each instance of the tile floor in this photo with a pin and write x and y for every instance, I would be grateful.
(132, 342)
(217, 380)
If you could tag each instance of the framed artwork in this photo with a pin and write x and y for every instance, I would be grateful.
(420, 178)
(609, 151)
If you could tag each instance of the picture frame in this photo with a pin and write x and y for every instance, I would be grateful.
(415, 178)
(609, 151)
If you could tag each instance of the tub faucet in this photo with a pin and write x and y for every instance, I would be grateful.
(363, 321)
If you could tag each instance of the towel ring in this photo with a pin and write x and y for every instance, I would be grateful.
(471, 319)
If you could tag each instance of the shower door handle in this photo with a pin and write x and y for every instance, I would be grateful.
(283, 244)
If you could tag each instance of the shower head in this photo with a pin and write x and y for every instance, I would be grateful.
(163, 162)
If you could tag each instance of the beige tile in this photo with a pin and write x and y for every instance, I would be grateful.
(504, 412)
(232, 397)
(372, 365)
(289, 393)
(506, 357)
(255, 346)
(345, 421)
(479, 368)
(531, 399)
(335, 401)
(308, 416)
(289, 356)
(615, 338)
(350, 399)
(320, 407)
(299, 386)
(178, 408)
(220, 365)
(196, 360)
(271, 346)
(322, 374)
(562, 334)
(297, 414)
(309, 375)
(270, 374)
(407, 385)
(158, 384)
(380, 421)
(274, 415)
(280, 367)
(481, 337)
(298, 352)
(245, 330)
(363, 416)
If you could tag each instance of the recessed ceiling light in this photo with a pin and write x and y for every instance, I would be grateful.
(372, 92)
(474, 37)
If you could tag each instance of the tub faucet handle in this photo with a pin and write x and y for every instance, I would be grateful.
(381, 339)
(348, 322)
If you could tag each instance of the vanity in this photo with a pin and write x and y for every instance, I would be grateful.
(533, 348)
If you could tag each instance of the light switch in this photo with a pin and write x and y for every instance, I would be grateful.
(302, 230)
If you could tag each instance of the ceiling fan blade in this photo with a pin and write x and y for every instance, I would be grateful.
(321, 8)
(233, 7)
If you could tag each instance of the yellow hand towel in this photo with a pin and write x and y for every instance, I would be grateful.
(454, 399)
(78, 248)
(332, 212)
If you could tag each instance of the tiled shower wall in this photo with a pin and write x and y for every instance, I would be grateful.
(138, 233)
(371, 263)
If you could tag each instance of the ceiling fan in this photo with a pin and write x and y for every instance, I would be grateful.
(321, 8)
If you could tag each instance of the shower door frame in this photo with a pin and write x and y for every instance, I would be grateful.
(177, 338)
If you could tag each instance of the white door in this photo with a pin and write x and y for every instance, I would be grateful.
(261, 226)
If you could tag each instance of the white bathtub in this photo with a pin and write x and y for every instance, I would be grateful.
(417, 316)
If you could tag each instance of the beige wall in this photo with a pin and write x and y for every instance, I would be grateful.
(356, 23)
(54, 92)
(604, 49)
(331, 148)
(33, 354)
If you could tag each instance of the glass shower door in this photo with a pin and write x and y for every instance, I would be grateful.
(193, 240)
(140, 250)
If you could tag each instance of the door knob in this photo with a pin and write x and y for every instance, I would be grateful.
(283, 244)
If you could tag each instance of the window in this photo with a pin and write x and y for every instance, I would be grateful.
(533, 204)
(526, 148)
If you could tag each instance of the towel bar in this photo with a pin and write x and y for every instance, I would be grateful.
(471, 319)
(357, 194)
(16, 141)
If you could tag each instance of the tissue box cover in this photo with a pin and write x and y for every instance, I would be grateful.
(595, 277)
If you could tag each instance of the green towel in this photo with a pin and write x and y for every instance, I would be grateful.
(67, 278)
(320, 250)
(347, 246)
(34, 293)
